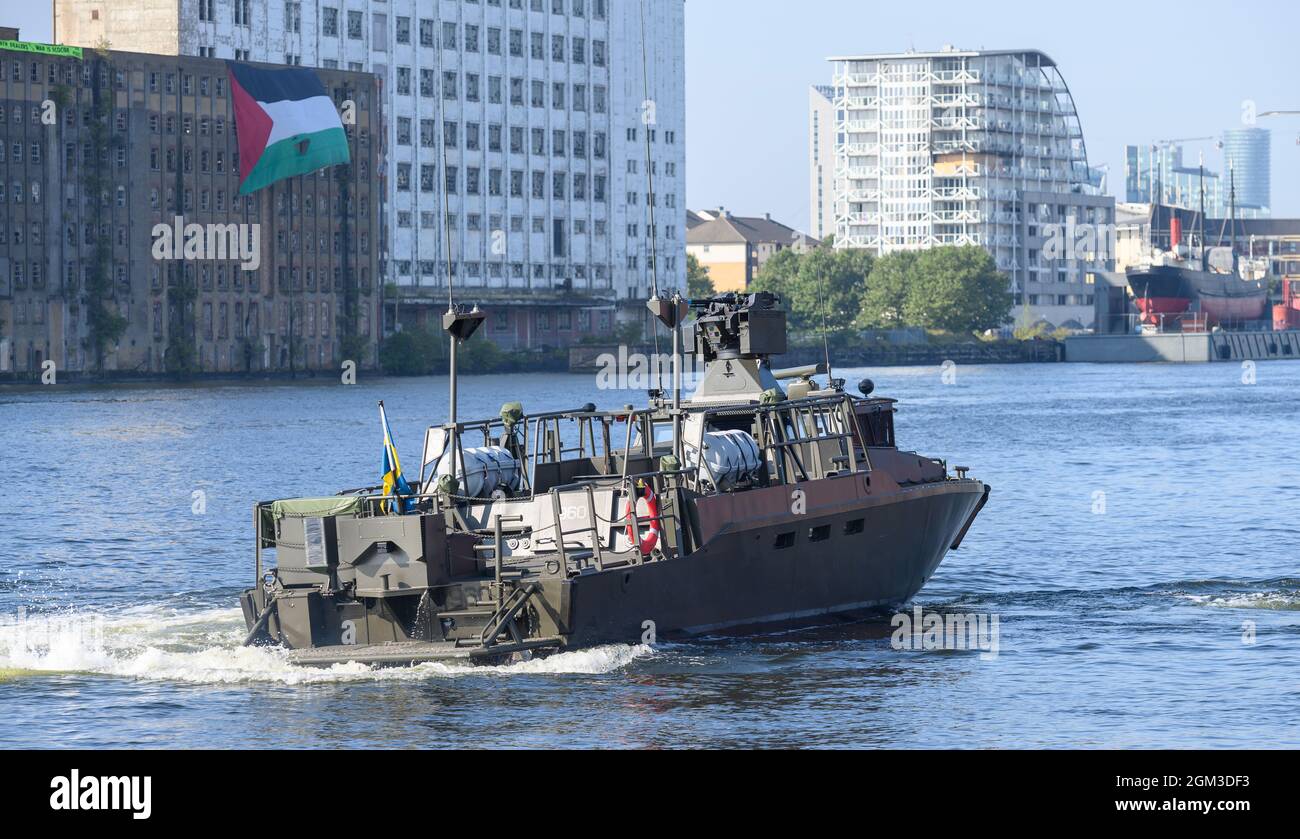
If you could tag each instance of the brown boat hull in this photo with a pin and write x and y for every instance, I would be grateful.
(762, 570)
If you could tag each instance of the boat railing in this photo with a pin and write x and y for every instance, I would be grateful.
(660, 483)
(792, 433)
(790, 436)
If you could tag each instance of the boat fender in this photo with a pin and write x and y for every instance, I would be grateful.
(650, 540)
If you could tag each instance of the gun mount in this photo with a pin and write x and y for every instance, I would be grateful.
(736, 335)
(732, 326)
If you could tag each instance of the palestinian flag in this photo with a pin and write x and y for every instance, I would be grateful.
(286, 123)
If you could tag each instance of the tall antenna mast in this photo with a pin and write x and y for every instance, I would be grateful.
(669, 312)
(649, 170)
(460, 326)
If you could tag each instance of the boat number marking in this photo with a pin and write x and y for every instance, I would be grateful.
(349, 633)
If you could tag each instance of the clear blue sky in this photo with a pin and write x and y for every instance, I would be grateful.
(1139, 72)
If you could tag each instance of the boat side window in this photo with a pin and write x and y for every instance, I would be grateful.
(785, 540)
(853, 528)
(820, 533)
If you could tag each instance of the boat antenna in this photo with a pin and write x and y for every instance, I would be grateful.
(446, 215)
(673, 311)
(649, 173)
(826, 347)
(460, 326)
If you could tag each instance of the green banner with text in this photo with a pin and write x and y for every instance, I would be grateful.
(41, 49)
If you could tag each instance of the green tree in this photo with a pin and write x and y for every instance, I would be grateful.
(699, 285)
(818, 283)
(957, 289)
(884, 305)
(408, 353)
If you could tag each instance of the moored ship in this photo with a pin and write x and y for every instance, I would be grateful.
(1167, 291)
(1177, 289)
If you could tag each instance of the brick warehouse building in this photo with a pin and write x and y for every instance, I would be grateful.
(154, 136)
(521, 140)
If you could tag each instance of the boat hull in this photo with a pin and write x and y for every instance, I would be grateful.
(748, 578)
(1160, 293)
(838, 549)
(1164, 291)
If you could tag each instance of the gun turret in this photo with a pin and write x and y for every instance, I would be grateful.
(738, 326)
(735, 335)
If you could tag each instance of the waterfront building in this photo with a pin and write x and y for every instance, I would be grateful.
(982, 148)
(521, 137)
(821, 160)
(735, 248)
(1247, 154)
(97, 147)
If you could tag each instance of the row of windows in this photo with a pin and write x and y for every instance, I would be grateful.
(572, 49)
(472, 269)
(310, 320)
(564, 321)
(473, 138)
(1061, 299)
(165, 82)
(355, 21)
(473, 91)
(474, 223)
(473, 183)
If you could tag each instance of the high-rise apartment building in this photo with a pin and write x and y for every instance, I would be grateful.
(524, 134)
(821, 160)
(971, 148)
(98, 148)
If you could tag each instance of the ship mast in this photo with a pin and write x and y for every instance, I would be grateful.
(1204, 262)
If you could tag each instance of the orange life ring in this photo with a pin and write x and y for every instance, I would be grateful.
(648, 542)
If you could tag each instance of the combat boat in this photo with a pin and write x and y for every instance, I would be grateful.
(763, 499)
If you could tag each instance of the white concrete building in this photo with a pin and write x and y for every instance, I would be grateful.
(546, 114)
(971, 148)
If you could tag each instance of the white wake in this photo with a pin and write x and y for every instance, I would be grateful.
(203, 647)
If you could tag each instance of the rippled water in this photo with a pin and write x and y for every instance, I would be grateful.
(1143, 529)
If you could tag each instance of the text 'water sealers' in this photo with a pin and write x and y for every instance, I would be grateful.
(121, 792)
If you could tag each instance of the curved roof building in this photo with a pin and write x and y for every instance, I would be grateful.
(961, 147)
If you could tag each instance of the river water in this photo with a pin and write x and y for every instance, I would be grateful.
(1139, 552)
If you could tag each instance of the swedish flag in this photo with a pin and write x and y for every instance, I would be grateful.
(394, 483)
